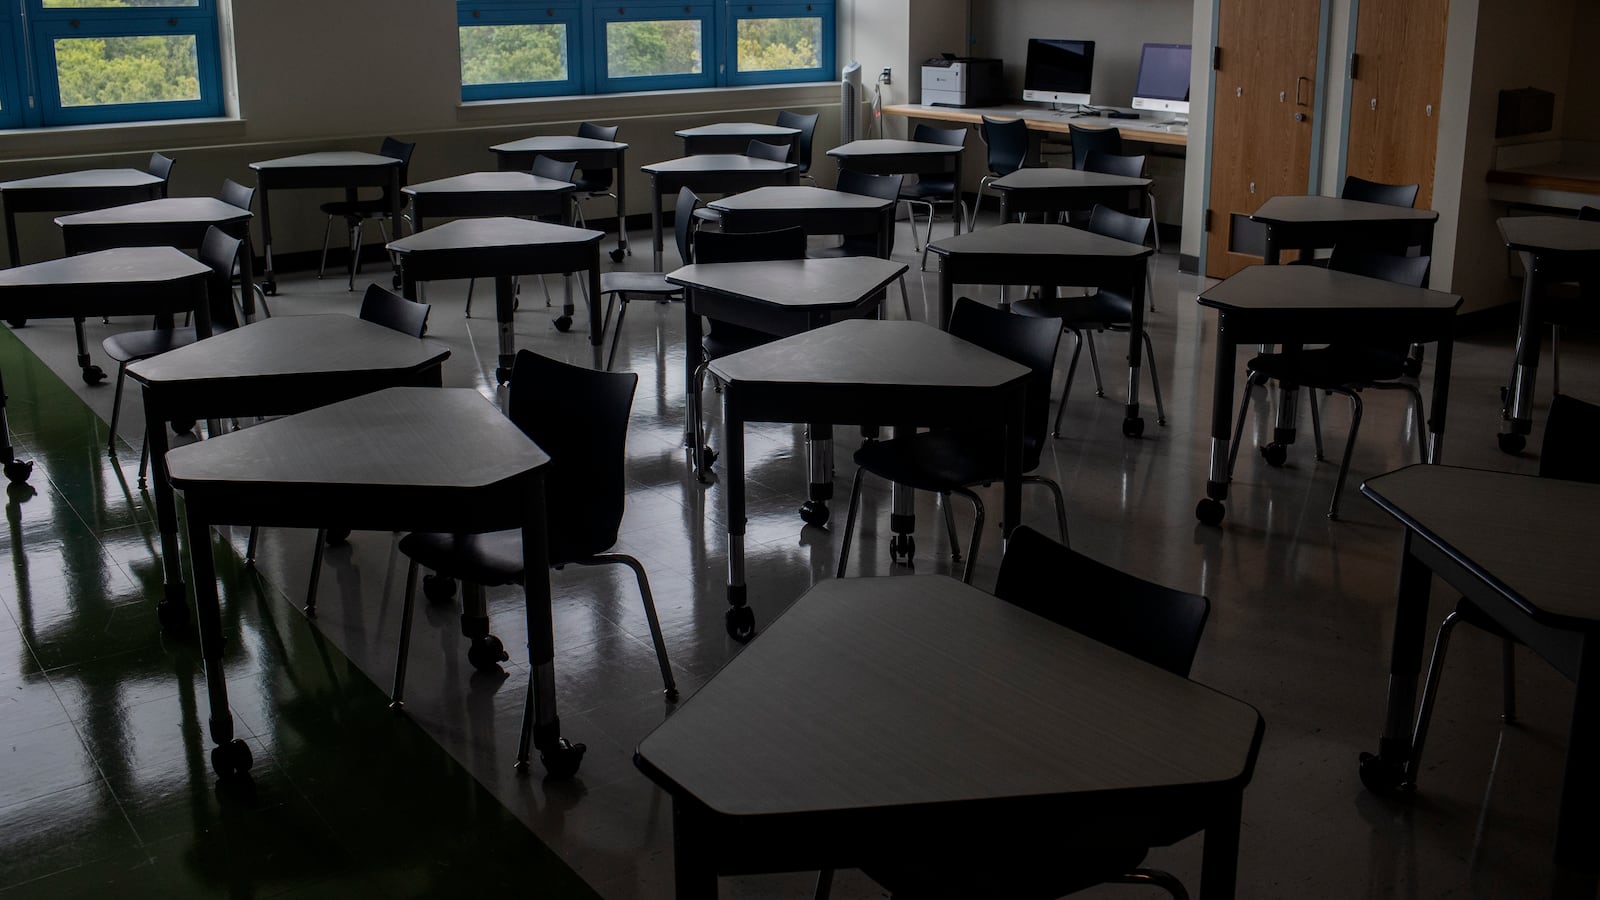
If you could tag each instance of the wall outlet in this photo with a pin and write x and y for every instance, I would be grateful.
(883, 77)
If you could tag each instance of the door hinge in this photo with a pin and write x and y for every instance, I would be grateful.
(1216, 58)
(1355, 65)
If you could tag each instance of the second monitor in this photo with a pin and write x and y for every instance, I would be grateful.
(1163, 79)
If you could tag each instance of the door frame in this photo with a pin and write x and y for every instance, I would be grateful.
(1349, 88)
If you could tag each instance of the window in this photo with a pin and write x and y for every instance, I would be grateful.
(73, 62)
(522, 48)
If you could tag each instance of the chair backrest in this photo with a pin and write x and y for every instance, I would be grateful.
(1157, 624)
(1378, 192)
(1114, 164)
(1571, 433)
(764, 150)
(1025, 340)
(598, 132)
(219, 251)
(579, 417)
(160, 165)
(1107, 222)
(1589, 214)
(597, 181)
(751, 246)
(1092, 140)
(1007, 140)
(808, 131)
(384, 307)
(235, 194)
(928, 134)
(395, 148)
(1411, 271)
(884, 187)
(553, 169)
(683, 223)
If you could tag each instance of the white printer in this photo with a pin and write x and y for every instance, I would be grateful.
(962, 81)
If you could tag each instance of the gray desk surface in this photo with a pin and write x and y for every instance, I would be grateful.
(87, 178)
(1038, 177)
(126, 265)
(499, 231)
(738, 129)
(790, 197)
(889, 147)
(1315, 209)
(1316, 288)
(1557, 234)
(164, 211)
(871, 352)
(556, 143)
(718, 162)
(1029, 239)
(839, 282)
(291, 345)
(333, 159)
(491, 183)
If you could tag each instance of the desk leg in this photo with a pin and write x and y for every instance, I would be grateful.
(270, 281)
(1011, 506)
(16, 470)
(655, 221)
(1271, 253)
(819, 461)
(394, 223)
(1578, 822)
(13, 253)
(741, 621)
(1441, 392)
(172, 609)
(540, 723)
(1391, 768)
(1219, 862)
(1283, 429)
(700, 455)
(622, 210)
(947, 296)
(694, 875)
(596, 328)
(247, 291)
(903, 515)
(1518, 414)
(958, 208)
(1210, 509)
(230, 757)
(92, 374)
(505, 298)
(1132, 423)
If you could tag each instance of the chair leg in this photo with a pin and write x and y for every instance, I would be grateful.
(977, 534)
(911, 216)
(1421, 421)
(905, 299)
(355, 251)
(327, 232)
(471, 283)
(1155, 878)
(1508, 680)
(1430, 693)
(622, 313)
(397, 695)
(1155, 380)
(316, 573)
(1094, 365)
(1238, 425)
(116, 407)
(1066, 389)
(1555, 359)
(1061, 502)
(1316, 423)
(824, 885)
(669, 685)
(850, 521)
(144, 458)
(928, 239)
(950, 526)
(697, 418)
(1349, 448)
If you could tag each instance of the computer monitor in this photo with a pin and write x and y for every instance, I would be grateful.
(1058, 71)
(1163, 79)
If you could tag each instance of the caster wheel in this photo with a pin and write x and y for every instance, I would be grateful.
(563, 324)
(1383, 777)
(337, 536)
(563, 760)
(617, 255)
(270, 288)
(814, 512)
(16, 323)
(183, 426)
(1133, 428)
(17, 471)
(502, 374)
(93, 375)
(902, 547)
(1209, 511)
(173, 616)
(1512, 443)
(741, 622)
(438, 588)
(231, 760)
(1275, 454)
(1411, 367)
(487, 653)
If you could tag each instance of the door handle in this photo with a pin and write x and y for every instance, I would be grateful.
(1300, 84)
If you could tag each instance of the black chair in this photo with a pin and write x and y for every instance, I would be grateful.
(219, 252)
(1105, 309)
(1157, 624)
(1093, 140)
(883, 187)
(555, 170)
(1346, 368)
(651, 284)
(355, 211)
(593, 183)
(235, 194)
(1007, 142)
(808, 132)
(953, 460)
(1571, 432)
(579, 417)
(160, 165)
(1377, 192)
(723, 338)
(755, 150)
(1128, 167)
(929, 190)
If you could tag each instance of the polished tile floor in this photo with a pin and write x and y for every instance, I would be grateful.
(105, 784)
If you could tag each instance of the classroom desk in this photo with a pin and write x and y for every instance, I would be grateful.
(905, 717)
(816, 210)
(1294, 305)
(503, 248)
(273, 367)
(735, 137)
(482, 194)
(374, 461)
(1042, 190)
(1311, 223)
(179, 222)
(128, 281)
(864, 372)
(721, 173)
(1149, 129)
(72, 192)
(1553, 249)
(781, 298)
(588, 153)
(1521, 549)
(1050, 256)
(889, 157)
(342, 169)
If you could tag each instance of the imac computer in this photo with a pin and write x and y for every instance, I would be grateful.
(1164, 80)
(1058, 71)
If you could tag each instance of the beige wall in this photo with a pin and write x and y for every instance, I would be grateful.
(1583, 76)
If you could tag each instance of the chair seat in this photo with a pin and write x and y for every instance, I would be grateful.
(377, 206)
(1103, 308)
(492, 559)
(637, 283)
(707, 214)
(131, 345)
(725, 340)
(944, 459)
(584, 185)
(1332, 367)
(931, 188)
(1052, 873)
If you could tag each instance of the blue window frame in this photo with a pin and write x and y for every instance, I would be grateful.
(122, 61)
(12, 74)
(528, 48)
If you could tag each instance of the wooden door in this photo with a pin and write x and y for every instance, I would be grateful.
(1264, 110)
(1394, 97)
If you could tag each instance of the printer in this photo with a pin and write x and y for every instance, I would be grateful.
(950, 80)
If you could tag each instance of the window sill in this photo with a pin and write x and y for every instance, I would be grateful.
(66, 141)
(641, 104)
